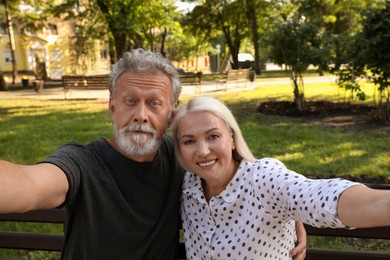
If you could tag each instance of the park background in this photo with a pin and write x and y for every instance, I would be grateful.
(346, 39)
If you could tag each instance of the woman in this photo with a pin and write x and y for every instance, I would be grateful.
(237, 207)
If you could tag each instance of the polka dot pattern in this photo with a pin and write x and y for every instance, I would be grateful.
(254, 217)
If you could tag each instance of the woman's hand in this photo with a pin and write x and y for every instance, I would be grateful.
(299, 251)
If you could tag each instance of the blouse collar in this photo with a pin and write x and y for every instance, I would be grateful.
(192, 185)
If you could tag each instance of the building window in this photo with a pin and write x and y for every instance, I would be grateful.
(7, 57)
(103, 54)
(53, 29)
(56, 55)
(29, 31)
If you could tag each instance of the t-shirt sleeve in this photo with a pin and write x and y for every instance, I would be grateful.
(313, 201)
(68, 158)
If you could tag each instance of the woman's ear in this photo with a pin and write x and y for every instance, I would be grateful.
(233, 142)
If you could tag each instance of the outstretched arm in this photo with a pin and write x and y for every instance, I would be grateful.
(29, 187)
(299, 251)
(363, 207)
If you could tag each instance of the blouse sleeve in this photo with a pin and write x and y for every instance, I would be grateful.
(295, 197)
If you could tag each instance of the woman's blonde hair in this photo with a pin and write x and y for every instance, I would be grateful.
(219, 109)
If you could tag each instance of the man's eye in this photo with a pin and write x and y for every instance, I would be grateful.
(155, 103)
(130, 101)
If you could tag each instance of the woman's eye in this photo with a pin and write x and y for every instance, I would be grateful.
(187, 142)
(214, 136)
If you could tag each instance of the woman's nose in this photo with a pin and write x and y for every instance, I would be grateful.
(203, 149)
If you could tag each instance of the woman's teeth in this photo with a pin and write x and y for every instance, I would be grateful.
(205, 164)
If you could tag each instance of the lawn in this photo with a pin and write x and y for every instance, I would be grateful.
(31, 129)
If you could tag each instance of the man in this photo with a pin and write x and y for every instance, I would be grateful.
(121, 195)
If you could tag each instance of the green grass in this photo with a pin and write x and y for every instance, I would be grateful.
(31, 129)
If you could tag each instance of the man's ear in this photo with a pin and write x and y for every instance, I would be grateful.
(172, 115)
(173, 112)
(111, 106)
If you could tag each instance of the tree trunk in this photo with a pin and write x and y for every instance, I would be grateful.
(120, 44)
(119, 38)
(12, 42)
(3, 83)
(299, 98)
(163, 37)
(251, 14)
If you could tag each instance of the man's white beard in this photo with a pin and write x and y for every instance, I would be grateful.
(134, 144)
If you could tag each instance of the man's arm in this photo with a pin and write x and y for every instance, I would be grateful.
(30, 187)
(363, 207)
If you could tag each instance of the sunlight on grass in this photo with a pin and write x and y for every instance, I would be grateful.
(33, 129)
(290, 156)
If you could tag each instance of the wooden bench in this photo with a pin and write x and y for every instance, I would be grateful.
(234, 78)
(51, 242)
(192, 78)
(84, 82)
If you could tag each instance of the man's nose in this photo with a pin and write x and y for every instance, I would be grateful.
(141, 113)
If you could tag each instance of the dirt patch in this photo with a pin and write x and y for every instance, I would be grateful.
(351, 116)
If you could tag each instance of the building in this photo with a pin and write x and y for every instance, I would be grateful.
(54, 48)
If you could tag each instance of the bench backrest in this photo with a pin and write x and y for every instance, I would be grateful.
(85, 81)
(237, 75)
(50, 242)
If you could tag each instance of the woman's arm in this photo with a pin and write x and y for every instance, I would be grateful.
(363, 207)
(299, 251)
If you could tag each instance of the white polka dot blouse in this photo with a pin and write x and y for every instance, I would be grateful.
(254, 217)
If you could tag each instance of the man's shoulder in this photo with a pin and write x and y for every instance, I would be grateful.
(167, 143)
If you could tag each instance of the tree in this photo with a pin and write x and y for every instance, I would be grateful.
(371, 52)
(292, 44)
(128, 19)
(9, 8)
(252, 17)
(126, 24)
(259, 16)
(30, 18)
(227, 17)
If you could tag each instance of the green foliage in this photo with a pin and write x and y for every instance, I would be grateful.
(371, 51)
(225, 17)
(349, 82)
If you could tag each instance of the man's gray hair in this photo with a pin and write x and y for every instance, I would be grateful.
(142, 61)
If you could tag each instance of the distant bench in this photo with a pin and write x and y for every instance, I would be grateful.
(84, 82)
(234, 78)
(51, 242)
(192, 78)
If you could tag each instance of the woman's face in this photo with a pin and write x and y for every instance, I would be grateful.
(205, 146)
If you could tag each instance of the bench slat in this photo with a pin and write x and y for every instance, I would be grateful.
(376, 233)
(327, 254)
(238, 77)
(51, 242)
(31, 241)
(86, 82)
(44, 216)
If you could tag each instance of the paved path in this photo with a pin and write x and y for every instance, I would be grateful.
(55, 91)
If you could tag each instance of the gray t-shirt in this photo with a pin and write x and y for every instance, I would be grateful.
(117, 208)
